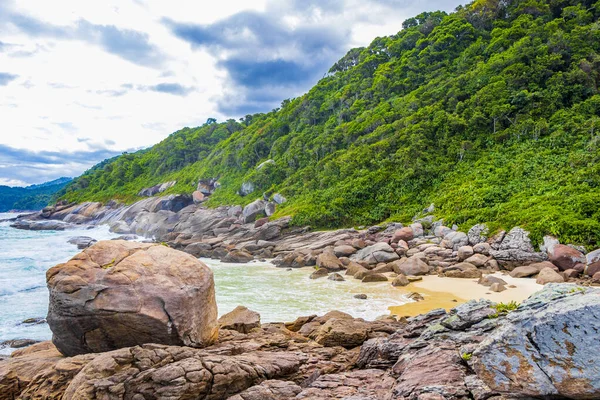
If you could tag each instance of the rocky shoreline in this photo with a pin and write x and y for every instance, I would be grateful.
(241, 234)
(127, 325)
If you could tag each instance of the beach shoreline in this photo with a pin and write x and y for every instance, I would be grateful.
(447, 293)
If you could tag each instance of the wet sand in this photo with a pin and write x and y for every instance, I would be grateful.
(449, 292)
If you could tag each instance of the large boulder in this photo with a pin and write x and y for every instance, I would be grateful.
(118, 294)
(516, 249)
(411, 266)
(329, 261)
(405, 234)
(253, 210)
(546, 348)
(565, 257)
(377, 253)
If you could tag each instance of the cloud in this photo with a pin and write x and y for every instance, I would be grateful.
(29, 167)
(6, 78)
(128, 44)
(266, 57)
(171, 88)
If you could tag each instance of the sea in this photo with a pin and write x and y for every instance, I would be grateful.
(278, 294)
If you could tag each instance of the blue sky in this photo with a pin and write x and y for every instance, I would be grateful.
(83, 81)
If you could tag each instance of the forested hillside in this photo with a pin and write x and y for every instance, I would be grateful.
(34, 197)
(491, 112)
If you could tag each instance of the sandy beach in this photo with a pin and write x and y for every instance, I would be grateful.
(449, 292)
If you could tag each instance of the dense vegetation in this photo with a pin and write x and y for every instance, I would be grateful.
(491, 112)
(34, 197)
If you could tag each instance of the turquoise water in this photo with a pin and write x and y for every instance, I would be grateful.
(277, 294)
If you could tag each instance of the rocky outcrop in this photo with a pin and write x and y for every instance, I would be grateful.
(546, 348)
(516, 249)
(119, 294)
(543, 349)
(566, 257)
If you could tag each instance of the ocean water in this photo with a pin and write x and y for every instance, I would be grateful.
(24, 258)
(277, 294)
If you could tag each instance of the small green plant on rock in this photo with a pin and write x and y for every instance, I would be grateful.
(466, 356)
(504, 308)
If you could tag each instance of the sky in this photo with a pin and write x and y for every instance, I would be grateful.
(82, 81)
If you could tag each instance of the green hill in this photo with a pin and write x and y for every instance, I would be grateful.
(34, 197)
(491, 112)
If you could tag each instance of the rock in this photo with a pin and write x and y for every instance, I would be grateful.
(42, 225)
(482, 248)
(373, 277)
(516, 249)
(524, 272)
(411, 266)
(464, 252)
(154, 190)
(565, 257)
(477, 260)
(246, 189)
(329, 261)
(278, 198)
(412, 278)
(596, 277)
(319, 273)
(548, 275)
(415, 296)
(234, 211)
(400, 280)
(489, 280)
(544, 264)
(497, 287)
(545, 349)
(455, 240)
(198, 197)
(100, 294)
(464, 273)
(207, 186)
(468, 314)
(478, 234)
(417, 229)
(269, 209)
(570, 274)
(374, 254)
(348, 333)
(441, 231)
(344, 250)
(241, 319)
(34, 321)
(199, 249)
(549, 243)
(361, 296)
(592, 262)
(405, 234)
(383, 268)
(82, 242)
(353, 268)
(336, 277)
(253, 210)
(238, 257)
(261, 222)
(270, 390)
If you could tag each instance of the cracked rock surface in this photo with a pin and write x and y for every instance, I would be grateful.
(119, 294)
